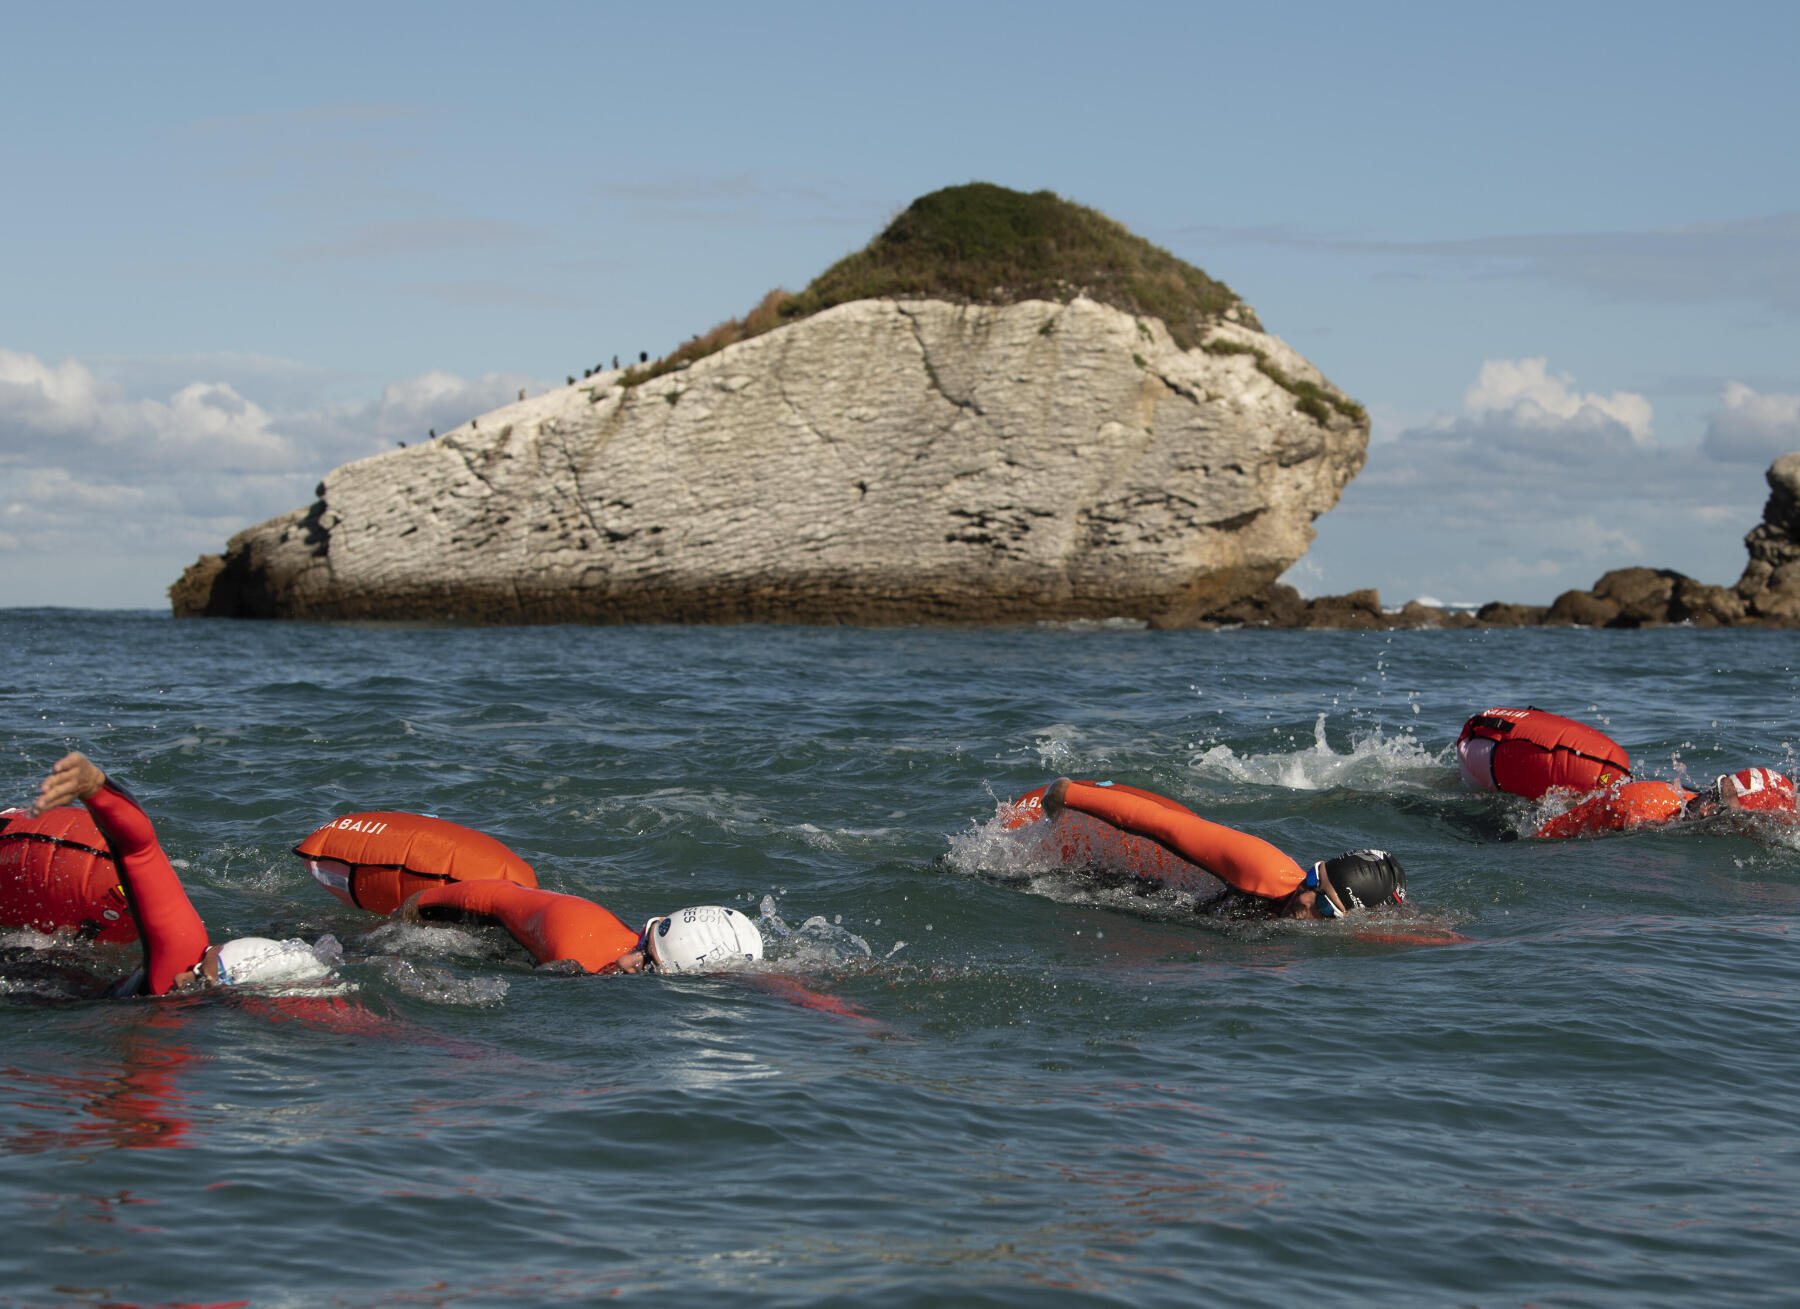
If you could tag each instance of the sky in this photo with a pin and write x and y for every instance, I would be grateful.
(1553, 248)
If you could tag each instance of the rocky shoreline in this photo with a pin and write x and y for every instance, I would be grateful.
(1767, 595)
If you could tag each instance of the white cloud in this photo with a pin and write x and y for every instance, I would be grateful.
(1514, 571)
(49, 494)
(1532, 488)
(104, 492)
(1593, 539)
(1523, 392)
(405, 411)
(1524, 427)
(50, 410)
(1752, 428)
(50, 400)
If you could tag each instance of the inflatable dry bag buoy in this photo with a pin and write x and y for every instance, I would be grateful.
(1527, 751)
(376, 861)
(58, 874)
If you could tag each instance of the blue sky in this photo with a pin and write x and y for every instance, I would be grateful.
(1554, 249)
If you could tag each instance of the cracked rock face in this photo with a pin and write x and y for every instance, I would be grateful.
(880, 462)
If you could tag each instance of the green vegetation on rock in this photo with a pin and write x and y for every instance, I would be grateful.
(1310, 398)
(985, 244)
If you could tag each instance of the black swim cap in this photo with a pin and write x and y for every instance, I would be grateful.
(1364, 879)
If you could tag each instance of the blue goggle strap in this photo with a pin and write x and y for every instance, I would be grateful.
(1322, 902)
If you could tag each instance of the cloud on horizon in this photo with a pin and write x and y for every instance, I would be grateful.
(1752, 428)
(91, 474)
(1536, 487)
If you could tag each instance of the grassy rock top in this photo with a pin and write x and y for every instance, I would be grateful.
(985, 244)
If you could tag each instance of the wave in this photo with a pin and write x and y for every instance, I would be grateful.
(1374, 762)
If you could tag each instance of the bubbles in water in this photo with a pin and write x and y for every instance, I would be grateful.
(328, 950)
(434, 942)
(440, 986)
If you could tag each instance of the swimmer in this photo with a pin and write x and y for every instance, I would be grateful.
(177, 954)
(556, 927)
(1263, 882)
(1652, 803)
(426, 869)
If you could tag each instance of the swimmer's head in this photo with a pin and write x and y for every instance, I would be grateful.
(256, 960)
(1358, 879)
(1754, 790)
(702, 939)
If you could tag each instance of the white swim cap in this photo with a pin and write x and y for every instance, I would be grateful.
(256, 960)
(703, 939)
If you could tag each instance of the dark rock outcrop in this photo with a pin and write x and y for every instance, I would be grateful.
(1770, 584)
(1767, 595)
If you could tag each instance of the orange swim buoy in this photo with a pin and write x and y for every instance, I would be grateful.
(1623, 805)
(376, 860)
(1526, 752)
(58, 874)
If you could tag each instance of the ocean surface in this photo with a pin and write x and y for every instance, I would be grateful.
(961, 1077)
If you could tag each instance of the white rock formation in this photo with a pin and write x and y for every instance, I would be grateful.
(883, 461)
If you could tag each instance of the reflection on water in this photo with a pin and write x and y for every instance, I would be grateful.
(132, 1103)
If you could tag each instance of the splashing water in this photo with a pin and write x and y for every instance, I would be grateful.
(817, 943)
(1374, 763)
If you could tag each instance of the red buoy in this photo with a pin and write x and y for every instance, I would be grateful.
(1527, 751)
(57, 874)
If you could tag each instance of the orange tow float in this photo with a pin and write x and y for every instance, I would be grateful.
(377, 860)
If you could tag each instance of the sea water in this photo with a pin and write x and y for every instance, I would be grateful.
(960, 1077)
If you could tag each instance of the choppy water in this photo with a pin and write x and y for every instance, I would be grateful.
(961, 1079)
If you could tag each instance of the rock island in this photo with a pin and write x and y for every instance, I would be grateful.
(1006, 407)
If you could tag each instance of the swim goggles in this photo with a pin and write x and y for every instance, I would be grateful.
(1322, 900)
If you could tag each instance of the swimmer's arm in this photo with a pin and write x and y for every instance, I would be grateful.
(1244, 862)
(120, 819)
(551, 926)
(73, 777)
(173, 937)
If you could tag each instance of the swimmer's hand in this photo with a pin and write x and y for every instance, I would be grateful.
(75, 777)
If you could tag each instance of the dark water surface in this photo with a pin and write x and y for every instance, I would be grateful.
(961, 1078)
